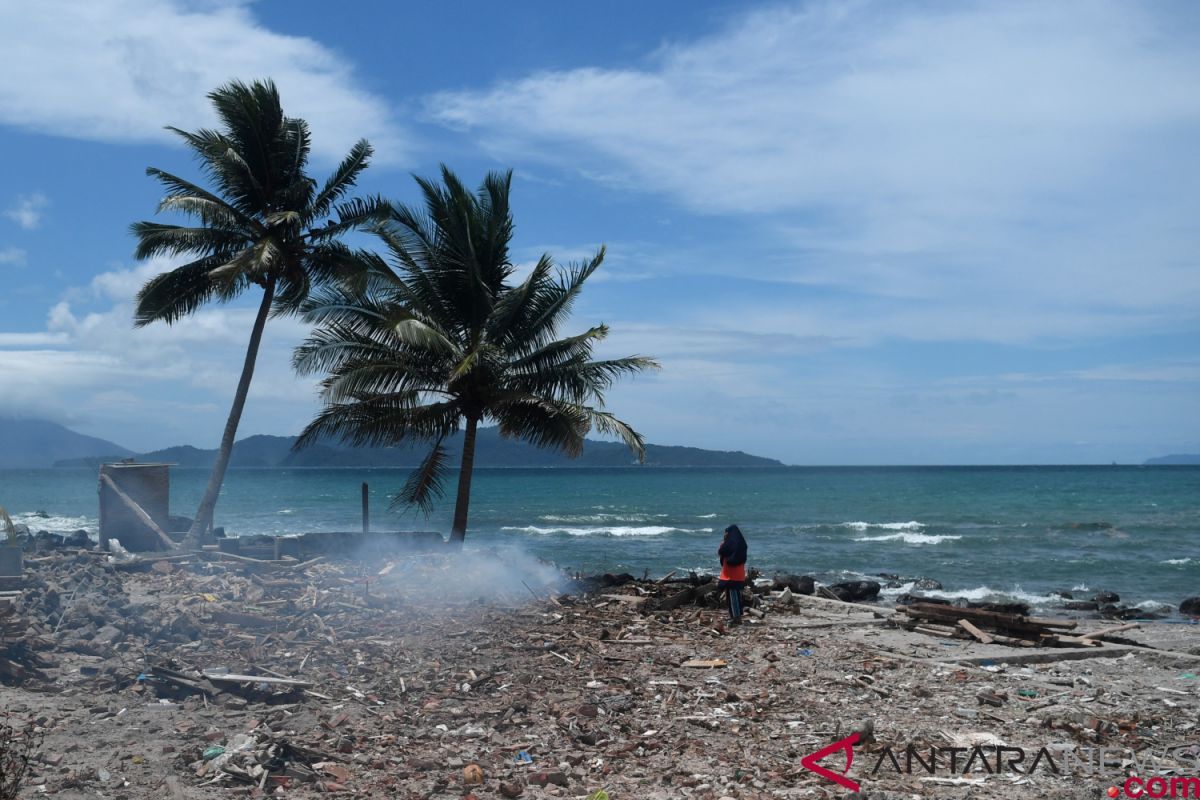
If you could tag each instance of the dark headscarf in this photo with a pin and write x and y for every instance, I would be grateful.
(733, 547)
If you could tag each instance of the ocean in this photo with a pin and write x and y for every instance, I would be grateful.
(983, 532)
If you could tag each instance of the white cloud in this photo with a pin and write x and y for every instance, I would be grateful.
(120, 70)
(12, 255)
(1022, 166)
(28, 211)
(153, 386)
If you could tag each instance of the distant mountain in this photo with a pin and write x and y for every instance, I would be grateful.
(491, 450)
(1182, 458)
(37, 444)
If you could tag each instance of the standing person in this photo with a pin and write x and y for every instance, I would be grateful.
(732, 553)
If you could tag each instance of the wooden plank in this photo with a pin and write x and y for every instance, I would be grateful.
(979, 616)
(625, 598)
(1065, 624)
(978, 634)
(705, 663)
(230, 677)
(841, 605)
(1071, 641)
(1109, 631)
(139, 512)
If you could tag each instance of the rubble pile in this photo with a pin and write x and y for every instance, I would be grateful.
(214, 675)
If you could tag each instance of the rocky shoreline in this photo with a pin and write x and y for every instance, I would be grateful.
(1100, 604)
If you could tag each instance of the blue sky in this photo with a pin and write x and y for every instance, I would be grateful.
(853, 233)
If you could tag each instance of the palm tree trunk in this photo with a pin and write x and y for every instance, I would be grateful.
(204, 514)
(458, 530)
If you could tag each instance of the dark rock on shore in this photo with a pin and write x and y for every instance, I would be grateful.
(1106, 597)
(1112, 611)
(1190, 607)
(856, 591)
(799, 584)
(895, 582)
(1081, 605)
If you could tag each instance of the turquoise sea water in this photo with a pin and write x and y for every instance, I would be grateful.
(981, 531)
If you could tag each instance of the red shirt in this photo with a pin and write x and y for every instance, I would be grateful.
(731, 573)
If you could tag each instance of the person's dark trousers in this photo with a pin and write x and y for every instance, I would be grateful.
(733, 589)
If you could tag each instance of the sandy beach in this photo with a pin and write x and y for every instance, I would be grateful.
(392, 679)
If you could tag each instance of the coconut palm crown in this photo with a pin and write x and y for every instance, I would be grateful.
(263, 223)
(442, 340)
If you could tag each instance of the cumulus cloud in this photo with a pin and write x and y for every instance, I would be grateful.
(980, 161)
(153, 386)
(119, 70)
(28, 210)
(12, 255)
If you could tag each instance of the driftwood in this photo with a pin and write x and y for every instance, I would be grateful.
(690, 595)
(1100, 634)
(978, 634)
(991, 627)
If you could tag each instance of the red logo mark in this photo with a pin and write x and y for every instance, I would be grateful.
(809, 762)
(1113, 791)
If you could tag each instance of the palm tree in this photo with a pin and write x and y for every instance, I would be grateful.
(443, 341)
(265, 223)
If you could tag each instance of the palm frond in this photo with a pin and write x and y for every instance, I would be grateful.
(342, 180)
(426, 484)
(171, 295)
(541, 421)
(557, 302)
(606, 423)
(156, 239)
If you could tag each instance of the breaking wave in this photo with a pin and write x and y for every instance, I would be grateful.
(908, 538)
(981, 594)
(1176, 561)
(607, 530)
(885, 526)
(578, 518)
(37, 522)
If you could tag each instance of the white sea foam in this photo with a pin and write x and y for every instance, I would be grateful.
(885, 526)
(36, 523)
(981, 593)
(908, 538)
(581, 518)
(1154, 606)
(705, 516)
(607, 530)
(1176, 561)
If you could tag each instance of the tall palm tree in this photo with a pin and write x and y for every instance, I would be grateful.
(265, 223)
(441, 340)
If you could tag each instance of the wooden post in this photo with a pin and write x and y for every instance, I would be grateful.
(366, 509)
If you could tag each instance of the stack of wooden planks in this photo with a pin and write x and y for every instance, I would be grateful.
(996, 627)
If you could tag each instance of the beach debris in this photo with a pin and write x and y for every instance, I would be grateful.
(992, 627)
(289, 679)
